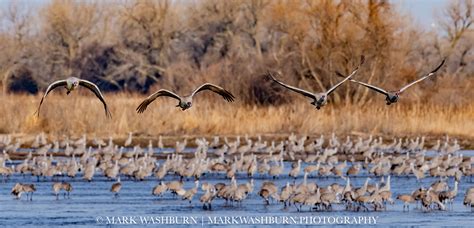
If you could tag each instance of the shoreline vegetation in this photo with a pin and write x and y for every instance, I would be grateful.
(76, 115)
(130, 49)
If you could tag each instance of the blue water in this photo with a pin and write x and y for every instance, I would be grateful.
(92, 201)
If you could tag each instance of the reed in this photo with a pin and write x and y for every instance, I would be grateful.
(83, 114)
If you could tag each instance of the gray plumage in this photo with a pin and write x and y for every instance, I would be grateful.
(186, 101)
(394, 96)
(319, 99)
(71, 84)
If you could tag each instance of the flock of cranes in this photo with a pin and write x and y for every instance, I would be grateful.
(248, 158)
(185, 102)
(319, 157)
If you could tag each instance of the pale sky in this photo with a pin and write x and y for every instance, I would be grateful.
(422, 11)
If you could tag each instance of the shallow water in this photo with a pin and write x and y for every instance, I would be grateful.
(90, 200)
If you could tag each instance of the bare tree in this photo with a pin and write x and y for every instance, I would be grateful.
(135, 44)
(146, 30)
(16, 21)
(68, 26)
(457, 24)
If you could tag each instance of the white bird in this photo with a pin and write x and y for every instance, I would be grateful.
(319, 99)
(71, 84)
(186, 101)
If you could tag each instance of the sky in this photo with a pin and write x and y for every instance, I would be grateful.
(422, 11)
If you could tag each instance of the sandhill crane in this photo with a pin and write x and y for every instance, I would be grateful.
(207, 198)
(186, 101)
(17, 191)
(219, 167)
(448, 196)
(400, 169)
(58, 186)
(268, 190)
(128, 141)
(263, 167)
(247, 188)
(338, 169)
(141, 173)
(311, 168)
(232, 170)
(419, 174)
(180, 146)
(245, 148)
(407, 200)
(362, 201)
(299, 198)
(6, 172)
(277, 169)
(437, 146)
(362, 190)
(295, 171)
(175, 186)
(116, 188)
(71, 84)
(223, 190)
(285, 193)
(189, 194)
(378, 199)
(325, 170)
(253, 167)
(469, 198)
(159, 189)
(160, 143)
(385, 196)
(328, 198)
(215, 142)
(24, 167)
(72, 168)
(431, 197)
(113, 171)
(387, 186)
(393, 96)
(319, 99)
(313, 199)
(239, 194)
(162, 171)
(89, 171)
(19, 188)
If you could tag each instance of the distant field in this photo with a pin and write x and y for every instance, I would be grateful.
(77, 114)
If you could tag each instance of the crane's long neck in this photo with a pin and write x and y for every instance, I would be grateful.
(366, 183)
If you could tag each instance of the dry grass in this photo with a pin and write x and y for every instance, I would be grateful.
(76, 114)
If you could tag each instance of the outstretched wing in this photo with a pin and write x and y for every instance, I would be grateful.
(162, 92)
(423, 78)
(298, 90)
(362, 60)
(380, 90)
(216, 89)
(93, 87)
(53, 85)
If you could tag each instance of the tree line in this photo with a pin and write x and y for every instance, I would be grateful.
(138, 45)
